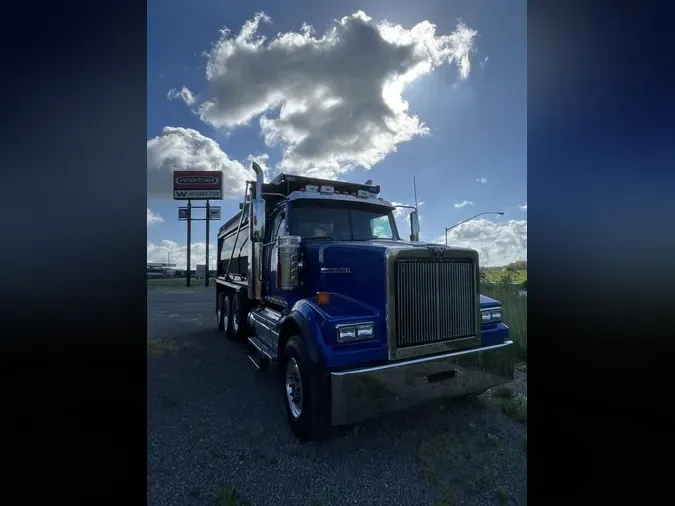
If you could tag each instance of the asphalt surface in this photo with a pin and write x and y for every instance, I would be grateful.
(214, 422)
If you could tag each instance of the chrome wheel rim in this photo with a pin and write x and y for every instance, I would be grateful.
(294, 388)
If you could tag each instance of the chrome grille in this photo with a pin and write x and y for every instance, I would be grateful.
(435, 301)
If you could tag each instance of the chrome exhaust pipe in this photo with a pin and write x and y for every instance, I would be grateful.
(259, 180)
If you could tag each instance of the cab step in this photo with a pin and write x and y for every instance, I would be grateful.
(259, 354)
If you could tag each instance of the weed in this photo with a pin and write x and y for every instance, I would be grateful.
(502, 495)
(503, 392)
(228, 496)
(493, 440)
(482, 478)
(159, 347)
(516, 408)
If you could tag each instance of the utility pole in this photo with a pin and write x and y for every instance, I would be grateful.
(206, 276)
(189, 241)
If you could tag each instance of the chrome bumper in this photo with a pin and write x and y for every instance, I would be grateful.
(357, 395)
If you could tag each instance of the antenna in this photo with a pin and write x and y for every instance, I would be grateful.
(415, 191)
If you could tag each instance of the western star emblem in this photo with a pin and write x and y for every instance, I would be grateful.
(336, 270)
(436, 251)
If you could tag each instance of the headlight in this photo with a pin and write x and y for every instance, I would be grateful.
(355, 332)
(491, 315)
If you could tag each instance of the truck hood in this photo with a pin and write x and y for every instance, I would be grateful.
(353, 269)
(356, 270)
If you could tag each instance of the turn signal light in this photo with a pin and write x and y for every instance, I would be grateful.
(322, 298)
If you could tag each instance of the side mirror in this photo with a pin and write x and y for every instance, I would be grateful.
(414, 226)
(257, 220)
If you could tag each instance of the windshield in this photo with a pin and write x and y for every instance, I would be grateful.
(341, 221)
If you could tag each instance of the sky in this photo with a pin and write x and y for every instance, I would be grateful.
(388, 91)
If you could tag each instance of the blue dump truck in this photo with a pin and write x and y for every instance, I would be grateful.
(314, 277)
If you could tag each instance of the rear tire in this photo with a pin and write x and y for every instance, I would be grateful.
(227, 317)
(219, 311)
(306, 393)
(239, 313)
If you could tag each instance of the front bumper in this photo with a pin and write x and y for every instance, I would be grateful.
(359, 394)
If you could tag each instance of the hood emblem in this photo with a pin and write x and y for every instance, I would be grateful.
(336, 270)
(436, 251)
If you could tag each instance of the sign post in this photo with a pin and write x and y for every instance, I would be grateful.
(189, 241)
(206, 276)
(197, 185)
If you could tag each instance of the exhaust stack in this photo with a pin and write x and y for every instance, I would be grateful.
(259, 180)
(257, 231)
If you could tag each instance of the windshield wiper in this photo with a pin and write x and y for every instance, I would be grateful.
(320, 237)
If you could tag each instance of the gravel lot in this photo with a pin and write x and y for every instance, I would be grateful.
(214, 422)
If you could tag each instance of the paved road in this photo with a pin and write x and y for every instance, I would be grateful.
(214, 422)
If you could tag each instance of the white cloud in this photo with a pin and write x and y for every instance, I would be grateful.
(496, 243)
(463, 203)
(331, 102)
(183, 94)
(186, 149)
(172, 252)
(154, 218)
(481, 180)
(523, 207)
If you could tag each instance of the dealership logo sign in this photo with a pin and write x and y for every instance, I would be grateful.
(191, 180)
(197, 185)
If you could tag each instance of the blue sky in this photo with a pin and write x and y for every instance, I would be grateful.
(476, 123)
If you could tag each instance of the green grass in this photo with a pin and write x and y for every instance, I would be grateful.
(159, 347)
(495, 275)
(514, 313)
(168, 283)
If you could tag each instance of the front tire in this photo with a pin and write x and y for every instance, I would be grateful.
(306, 393)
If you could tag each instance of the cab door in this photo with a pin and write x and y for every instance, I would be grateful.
(272, 254)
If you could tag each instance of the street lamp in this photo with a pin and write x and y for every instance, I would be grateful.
(500, 213)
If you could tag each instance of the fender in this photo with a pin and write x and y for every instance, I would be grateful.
(307, 321)
(315, 321)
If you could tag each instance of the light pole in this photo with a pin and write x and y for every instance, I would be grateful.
(500, 213)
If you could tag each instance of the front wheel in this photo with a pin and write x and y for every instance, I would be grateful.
(306, 393)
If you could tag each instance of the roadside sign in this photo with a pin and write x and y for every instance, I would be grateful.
(197, 185)
(182, 213)
(214, 213)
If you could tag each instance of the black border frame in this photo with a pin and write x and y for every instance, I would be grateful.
(74, 150)
(600, 111)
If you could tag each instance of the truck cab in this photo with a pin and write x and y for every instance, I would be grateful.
(315, 277)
